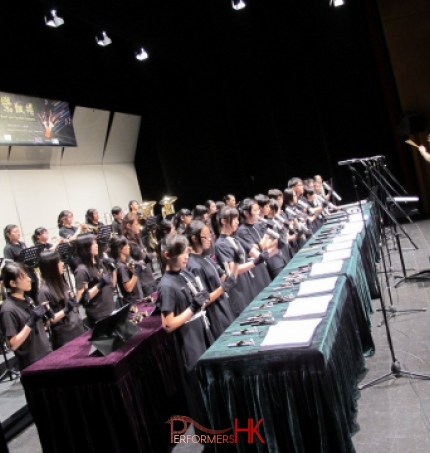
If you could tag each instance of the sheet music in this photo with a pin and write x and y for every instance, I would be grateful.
(317, 285)
(288, 334)
(339, 246)
(308, 307)
(336, 255)
(333, 267)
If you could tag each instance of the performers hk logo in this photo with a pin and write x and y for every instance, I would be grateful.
(212, 436)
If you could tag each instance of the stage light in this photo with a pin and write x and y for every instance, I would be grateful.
(142, 55)
(336, 3)
(104, 40)
(54, 21)
(238, 4)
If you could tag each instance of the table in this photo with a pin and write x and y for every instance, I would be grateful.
(117, 403)
(305, 396)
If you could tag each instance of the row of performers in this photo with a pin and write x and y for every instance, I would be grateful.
(250, 253)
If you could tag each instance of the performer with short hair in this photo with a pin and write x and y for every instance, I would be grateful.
(20, 320)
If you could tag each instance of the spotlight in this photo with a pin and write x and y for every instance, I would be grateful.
(238, 4)
(336, 3)
(54, 21)
(142, 55)
(104, 41)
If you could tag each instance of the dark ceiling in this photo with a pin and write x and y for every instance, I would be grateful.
(284, 86)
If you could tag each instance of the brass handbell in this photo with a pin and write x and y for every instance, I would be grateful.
(167, 203)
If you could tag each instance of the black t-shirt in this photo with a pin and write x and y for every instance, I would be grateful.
(12, 251)
(14, 315)
(102, 304)
(116, 227)
(138, 253)
(125, 275)
(69, 327)
(67, 232)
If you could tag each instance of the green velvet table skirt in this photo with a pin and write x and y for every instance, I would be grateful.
(305, 396)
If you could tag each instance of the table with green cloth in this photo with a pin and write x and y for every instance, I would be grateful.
(305, 396)
(118, 403)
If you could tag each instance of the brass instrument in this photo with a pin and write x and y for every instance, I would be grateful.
(167, 205)
(147, 208)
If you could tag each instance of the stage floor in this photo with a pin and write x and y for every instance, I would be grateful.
(394, 416)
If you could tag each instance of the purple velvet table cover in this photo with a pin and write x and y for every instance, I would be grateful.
(118, 403)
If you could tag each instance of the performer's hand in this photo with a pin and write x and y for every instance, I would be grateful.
(71, 304)
(35, 315)
(104, 281)
(199, 300)
(229, 283)
(85, 299)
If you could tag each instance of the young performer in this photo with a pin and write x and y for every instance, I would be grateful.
(20, 320)
(229, 250)
(12, 251)
(131, 230)
(182, 219)
(117, 215)
(98, 301)
(128, 271)
(66, 229)
(212, 277)
(67, 323)
(182, 312)
(92, 221)
(254, 240)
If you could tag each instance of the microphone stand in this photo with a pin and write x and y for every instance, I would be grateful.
(392, 309)
(396, 369)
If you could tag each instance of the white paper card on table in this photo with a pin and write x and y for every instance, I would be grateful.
(339, 246)
(317, 285)
(346, 238)
(336, 255)
(319, 269)
(290, 334)
(357, 218)
(308, 307)
(351, 228)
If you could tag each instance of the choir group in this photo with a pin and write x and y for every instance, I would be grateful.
(214, 260)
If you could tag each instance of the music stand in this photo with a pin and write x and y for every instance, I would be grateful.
(30, 256)
(112, 332)
(104, 233)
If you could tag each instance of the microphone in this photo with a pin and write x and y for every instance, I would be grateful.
(327, 187)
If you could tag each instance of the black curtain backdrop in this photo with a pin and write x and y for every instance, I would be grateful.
(231, 101)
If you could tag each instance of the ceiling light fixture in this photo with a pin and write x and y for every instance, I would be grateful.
(238, 4)
(104, 40)
(54, 21)
(142, 55)
(336, 3)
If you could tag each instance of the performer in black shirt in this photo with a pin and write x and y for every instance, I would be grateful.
(66, 228)
(253, 239)
(212, 277)
(98, 301)
(182, 219)
(117, 215)
(131, 230)
(21, 321)
(92, 221)
(128, 272)
(67, 323)
(229, 250)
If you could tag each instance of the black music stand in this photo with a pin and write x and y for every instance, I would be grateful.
(30, 256)
(112, 332)
(67, 251)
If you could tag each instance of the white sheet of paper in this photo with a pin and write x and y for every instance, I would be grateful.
(336, 255)
(333, 267)
(339, 246)
(308, 307)
(317, 285)
(346, 238)
(287, 334)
